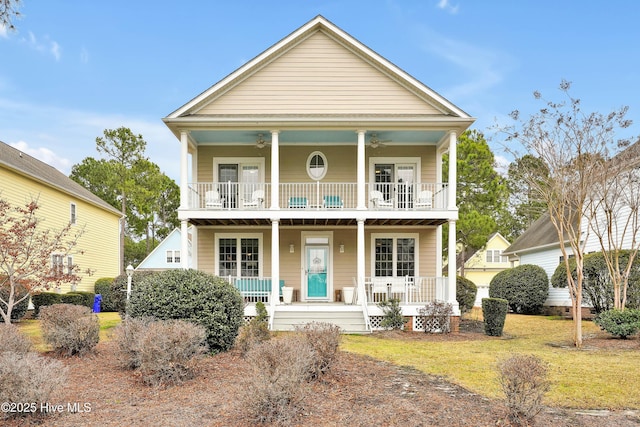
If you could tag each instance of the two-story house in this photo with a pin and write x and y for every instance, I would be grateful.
(316, 166)
(62, 201)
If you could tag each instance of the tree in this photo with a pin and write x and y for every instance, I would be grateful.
(481, 192)
(9, 11)
(26, 249)
(571, 144)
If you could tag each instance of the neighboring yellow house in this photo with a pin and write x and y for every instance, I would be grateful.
(484, 264)
(61, 200)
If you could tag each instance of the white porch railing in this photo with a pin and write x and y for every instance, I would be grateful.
(409, 289)
(317, 195)
(254, 289)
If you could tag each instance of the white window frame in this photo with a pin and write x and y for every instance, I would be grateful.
(395, 237)
(396, 161)
(238, 237)
(308, 165)
(240, 161)
(73, 213)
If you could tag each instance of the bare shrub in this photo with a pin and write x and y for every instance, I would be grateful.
(70, 329)
(254, 332)
(29, 379)
(524, 381)
(436, 317)
(275, 385)
(324, 339)
(170, 350)
(13, 340)
(128, 339)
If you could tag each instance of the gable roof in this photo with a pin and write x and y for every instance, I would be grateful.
(21, 163)
(542, 233)
(440, 108)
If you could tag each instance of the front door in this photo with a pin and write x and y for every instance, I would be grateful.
(317, 271)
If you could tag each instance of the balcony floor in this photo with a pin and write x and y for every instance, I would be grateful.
(348, 221)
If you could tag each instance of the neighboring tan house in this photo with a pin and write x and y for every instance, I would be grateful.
(167, 255)
(482, 265)
(61, 201)
(316, 166)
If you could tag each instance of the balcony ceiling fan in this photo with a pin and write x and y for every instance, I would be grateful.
(375, 142)
(261, 142)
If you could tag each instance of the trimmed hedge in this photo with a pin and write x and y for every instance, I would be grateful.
(43, 299)
(526, 287)
(466, 292)
(194, 296)
(621, 323)
(104, 287)
(494, 311)
(596, 287)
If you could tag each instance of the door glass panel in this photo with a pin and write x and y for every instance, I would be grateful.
(228, 178)
(384, 180)
(406, 179)
(250, 180)
(317, 272)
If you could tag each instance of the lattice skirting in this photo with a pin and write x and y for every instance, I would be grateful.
(417, 323)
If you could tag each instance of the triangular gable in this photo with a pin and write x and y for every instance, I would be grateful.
(319, 69)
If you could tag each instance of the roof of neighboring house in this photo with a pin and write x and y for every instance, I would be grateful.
(23, 164)
(470, 254)
(151, 261)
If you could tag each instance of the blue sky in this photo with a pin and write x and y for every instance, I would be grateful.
(73, 68)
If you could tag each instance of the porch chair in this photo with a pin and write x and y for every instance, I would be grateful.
(379, 202)
(298, 203)
(398, 288)
(332, 202)
(257, 199)
(380, 287)
(212, 200)
(424, 200)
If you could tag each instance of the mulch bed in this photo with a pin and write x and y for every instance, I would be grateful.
(358, 391)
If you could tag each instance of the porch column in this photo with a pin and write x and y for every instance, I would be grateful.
(453, 156)
(184, 169)
(275, 170)
(450, 294)
(275, 262)
(184, 244)
(360, 269)
(360, 172)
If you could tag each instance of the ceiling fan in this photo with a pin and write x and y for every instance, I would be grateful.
(375, 142)
(261, 142)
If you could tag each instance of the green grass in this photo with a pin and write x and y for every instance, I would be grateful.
(31, 328)
(588, 378)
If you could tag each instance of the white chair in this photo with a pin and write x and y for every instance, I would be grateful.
(212, 200)
(379, 202)
(257, 199)
(424, 200)
(398, 287)
(380, 287)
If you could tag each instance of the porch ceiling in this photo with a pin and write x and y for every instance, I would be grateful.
(343, 222)
(288, 137)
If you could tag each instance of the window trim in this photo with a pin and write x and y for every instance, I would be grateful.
(238, 237)
(395, 237)
(73, 213)
(308, 165)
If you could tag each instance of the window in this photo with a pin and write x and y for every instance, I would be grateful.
(176, 256)
(58, 265)
(395, 256)
(238, 256)
(73, 218)
(316, 165)
(495, 255)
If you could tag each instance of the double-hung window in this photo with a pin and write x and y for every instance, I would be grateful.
(395, 255)
(238, 255)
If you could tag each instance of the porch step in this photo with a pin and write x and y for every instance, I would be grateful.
(348, 317)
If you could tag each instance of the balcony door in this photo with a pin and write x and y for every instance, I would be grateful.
(238, 178)
(396, 182)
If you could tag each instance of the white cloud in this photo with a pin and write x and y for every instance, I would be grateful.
(46, 46)
(446, 5)
(45, 155)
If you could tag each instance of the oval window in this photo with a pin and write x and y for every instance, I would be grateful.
(317, 165)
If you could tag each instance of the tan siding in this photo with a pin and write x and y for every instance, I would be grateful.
(99, 245)
(318, 76)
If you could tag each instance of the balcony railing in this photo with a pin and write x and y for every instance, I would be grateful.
(317, 195)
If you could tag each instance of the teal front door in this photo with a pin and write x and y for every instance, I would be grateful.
(316, 268)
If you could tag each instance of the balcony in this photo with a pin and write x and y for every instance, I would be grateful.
(317, 196)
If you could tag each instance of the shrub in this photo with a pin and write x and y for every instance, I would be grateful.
(524, 382)
(29, 378)
(87, 298)
(20, 309)
(494, 311)
(104, 287)
(621, 323)
(195, 296)
(526, 287)
(43, 299)
(169, 352)
(254, 332)
(323, 339)
(69, 329)
(118, 294)
(72, 298)
(128, 339)
(13, 341)
(597, 287)
(466, 292)
(274, 388)
(436, 317)
(392, 317)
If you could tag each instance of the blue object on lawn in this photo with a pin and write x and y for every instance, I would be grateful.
(97, 300)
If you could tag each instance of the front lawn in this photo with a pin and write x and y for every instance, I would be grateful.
(603, 375)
